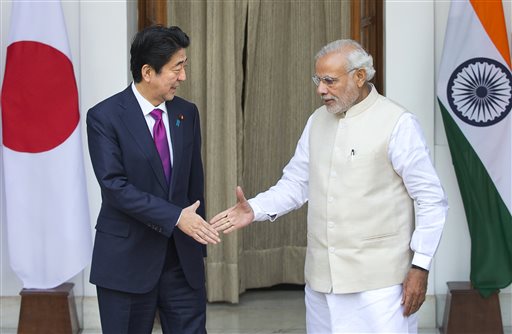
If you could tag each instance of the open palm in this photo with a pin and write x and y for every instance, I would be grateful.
(236, 217)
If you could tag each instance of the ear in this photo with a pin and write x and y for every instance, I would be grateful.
(360, 77)
(146, 72)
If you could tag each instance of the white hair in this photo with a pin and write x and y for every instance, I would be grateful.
(356, 56)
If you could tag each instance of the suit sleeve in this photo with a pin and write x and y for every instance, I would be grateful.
(119, 194)
(196, 181)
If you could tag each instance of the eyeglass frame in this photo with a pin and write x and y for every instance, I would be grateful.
(328, 80)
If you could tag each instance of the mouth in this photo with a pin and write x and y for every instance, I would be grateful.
(328, 100)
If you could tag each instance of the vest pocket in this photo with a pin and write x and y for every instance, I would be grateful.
(356, 159)
(377, 237)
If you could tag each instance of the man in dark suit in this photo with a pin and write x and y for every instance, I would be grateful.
(145, 147)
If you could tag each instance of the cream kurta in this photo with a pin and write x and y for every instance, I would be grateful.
(404, 157)
(360, 217)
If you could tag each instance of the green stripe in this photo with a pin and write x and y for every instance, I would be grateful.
(489, 221)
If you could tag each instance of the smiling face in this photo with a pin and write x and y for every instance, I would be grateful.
(344, 90)
(161, 87)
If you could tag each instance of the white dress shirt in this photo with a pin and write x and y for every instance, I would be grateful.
(147, 108)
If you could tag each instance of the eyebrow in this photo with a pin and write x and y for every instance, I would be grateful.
(184, 61)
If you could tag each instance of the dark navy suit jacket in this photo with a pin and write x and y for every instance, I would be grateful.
(139, 210)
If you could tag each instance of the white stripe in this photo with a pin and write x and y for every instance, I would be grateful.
(47, 16)
(46, 207)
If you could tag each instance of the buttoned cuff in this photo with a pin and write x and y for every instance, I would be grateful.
(421, 260)
(259, 214)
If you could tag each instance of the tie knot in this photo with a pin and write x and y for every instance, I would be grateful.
(156, 114)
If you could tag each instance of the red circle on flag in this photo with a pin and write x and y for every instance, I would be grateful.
(39, 98)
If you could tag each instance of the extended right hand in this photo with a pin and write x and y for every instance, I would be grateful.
(196, 227)
(236, 217)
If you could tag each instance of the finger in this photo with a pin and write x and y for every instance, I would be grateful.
(205, 237)
(210, 238)
(413, 303)
(221, 221)
(404, 293)
(406, 300)
(210, 234)
(230, 229)
(407, 308)
(207, 228)
(222, 226)
(413, 308)
(240, 195)
(200, 239)
(218, 217)
(195, 205)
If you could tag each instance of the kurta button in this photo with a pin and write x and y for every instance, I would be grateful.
(330, 199)
(330, 224)
(334, 174)
(331, 250)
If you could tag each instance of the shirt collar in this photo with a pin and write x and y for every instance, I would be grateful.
(144, 104)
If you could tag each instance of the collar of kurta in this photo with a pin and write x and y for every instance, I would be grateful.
(363, 105)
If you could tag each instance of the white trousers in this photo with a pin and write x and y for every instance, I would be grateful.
(375, 311)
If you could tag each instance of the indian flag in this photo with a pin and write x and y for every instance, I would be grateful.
(475, 96)
(48, 228)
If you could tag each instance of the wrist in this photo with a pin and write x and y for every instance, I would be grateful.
(419, 268)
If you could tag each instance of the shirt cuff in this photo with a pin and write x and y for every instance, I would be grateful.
(421, 260)
(178, 221)
(259, 214)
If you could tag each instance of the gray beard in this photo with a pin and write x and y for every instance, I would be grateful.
(341, 106)
(338, 108)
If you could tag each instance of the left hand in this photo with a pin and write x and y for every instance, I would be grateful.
(414, 290)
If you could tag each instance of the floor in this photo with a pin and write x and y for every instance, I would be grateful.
(259, 312)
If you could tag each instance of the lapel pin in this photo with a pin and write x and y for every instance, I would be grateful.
(180, 118)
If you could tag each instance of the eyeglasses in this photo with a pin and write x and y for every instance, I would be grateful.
(327, 80)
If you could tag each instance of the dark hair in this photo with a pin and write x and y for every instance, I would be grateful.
(155, 45)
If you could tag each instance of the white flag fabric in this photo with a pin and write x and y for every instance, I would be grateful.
(48, 228)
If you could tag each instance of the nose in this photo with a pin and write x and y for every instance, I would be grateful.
(183, 75)
(321, 89)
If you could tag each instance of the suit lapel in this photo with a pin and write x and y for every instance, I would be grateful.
(176, 133)
(132, 117)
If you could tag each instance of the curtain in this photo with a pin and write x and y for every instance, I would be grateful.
(250, 71)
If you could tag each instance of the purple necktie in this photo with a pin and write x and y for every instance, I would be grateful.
(162, 145)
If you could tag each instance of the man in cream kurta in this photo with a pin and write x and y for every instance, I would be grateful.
(362, 163)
